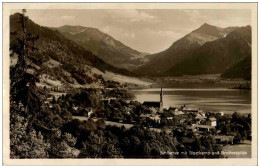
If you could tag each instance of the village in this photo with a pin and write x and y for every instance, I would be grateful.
(186, 123)
(194, 119)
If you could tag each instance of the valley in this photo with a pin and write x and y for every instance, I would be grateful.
(77, 92)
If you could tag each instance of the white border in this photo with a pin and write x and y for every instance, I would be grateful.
(199, 162)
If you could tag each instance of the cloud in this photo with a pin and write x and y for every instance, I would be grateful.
(118, 32)
(163, 33)
(194, 15)
(143, 29)
(67, 17)
(106, 29)
(159, 40)
(191, 12)
(130, 15)
(128, 35)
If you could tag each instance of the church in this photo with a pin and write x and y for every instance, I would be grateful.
(154, 104)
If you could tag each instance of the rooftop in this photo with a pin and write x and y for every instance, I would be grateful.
(212, 119)
(204, 126)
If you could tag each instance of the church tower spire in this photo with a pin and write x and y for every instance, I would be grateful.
(161, 101)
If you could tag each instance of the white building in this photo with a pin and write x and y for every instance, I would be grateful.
(211, 122)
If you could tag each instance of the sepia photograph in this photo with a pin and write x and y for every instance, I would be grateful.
(137, 81)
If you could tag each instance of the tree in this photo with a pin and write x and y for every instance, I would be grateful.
(24, 97)
(146, 150)
(243, 135)
(53, 100)
(237, 138)
(23, 144)
(62, 145)
(23, 74)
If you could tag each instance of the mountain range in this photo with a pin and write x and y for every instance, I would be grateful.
(75, 50)
(181, 58)
(104, 46)
(216, 56)
(182, 49)
(59, 58)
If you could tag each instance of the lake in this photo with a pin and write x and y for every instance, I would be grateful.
(217, 100)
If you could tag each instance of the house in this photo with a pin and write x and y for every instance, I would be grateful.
(143, 116)
(127, 110)
(175, 111)
(178, 113)
(211, 122)
(156, 118)
(172, 109)
(154, 110)
(203, 127)
(200, 118)
(182, 121)
(150, 116)
(75, 108)
(188, 110)
(49, 99)
(90, 113)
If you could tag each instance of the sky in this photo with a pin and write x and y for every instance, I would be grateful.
(149, 30)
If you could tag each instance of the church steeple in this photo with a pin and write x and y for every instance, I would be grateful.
(161, 101)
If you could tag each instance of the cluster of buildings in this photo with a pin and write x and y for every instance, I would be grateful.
(195, 120)
(199, 119)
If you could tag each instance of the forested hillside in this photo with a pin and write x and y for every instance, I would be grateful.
(240, 70)
(58, 56)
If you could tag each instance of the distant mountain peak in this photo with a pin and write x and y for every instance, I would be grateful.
(208, 29)
(217, 56)
(183, 48)
(104, 46)
(207, 25)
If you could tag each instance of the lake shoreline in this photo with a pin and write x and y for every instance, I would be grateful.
(195, 81)
(209, 99)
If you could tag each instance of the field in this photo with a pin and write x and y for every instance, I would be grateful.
(243, 149)
(120, 78)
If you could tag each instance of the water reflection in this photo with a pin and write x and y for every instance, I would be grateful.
(226, 100)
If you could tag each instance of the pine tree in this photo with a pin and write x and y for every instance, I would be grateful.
(24, 99)
(23, 74)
